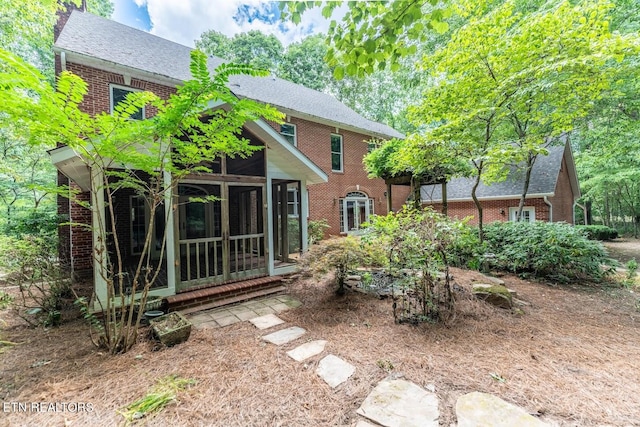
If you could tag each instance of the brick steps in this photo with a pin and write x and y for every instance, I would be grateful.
(216, 296)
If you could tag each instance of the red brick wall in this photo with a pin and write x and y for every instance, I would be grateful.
(76, 241)
(98, 98)
(314, 140)
(492, 210)
(563, 200)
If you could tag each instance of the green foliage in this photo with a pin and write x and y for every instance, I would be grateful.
(316, 229)
(374, 35)
(341, 255)
(632, 273)
(163, 393)
(293, 230)
(466, 251)
(42, 222)
(184, 135)
(416, 243)
(253, 48)
(598, 232)
(555, 251)
(303, 63)
(5, 300)
(44, 288)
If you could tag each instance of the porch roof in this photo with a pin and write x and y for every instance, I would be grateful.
(287, 158)
(69, 162)
(280, 153)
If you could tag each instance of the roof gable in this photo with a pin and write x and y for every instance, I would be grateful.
(544, 178)
(91, 37)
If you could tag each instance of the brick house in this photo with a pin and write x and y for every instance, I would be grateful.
(553, 192)
(310, 168)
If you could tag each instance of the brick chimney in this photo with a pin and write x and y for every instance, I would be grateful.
(66, 7)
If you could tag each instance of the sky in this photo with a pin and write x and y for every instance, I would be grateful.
(182, 21)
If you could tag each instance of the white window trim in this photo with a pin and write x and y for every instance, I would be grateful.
(335, 152)
(146, 221)
(514, 211)
(295, 202)
(295, 133)
(343, 209)
(127, 88)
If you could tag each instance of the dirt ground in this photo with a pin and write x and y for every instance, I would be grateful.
(624, 249)
(571, 359)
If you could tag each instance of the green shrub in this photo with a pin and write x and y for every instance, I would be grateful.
(42, 223)
(315, 230)
(466, 251)
(598, 232)
(43, 287)
(342, 255)
(555, 251)
(416, 242)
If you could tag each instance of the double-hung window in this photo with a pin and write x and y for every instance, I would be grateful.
(118, 94)
(336, 153)
(289, 132)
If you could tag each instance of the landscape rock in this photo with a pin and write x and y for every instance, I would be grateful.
(497, 295)
(285, 336)
(401, 403)
(483, 409)
(334, 371)
(494, 280)
(307, 350)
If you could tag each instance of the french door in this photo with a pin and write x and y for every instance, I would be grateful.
(221, 232)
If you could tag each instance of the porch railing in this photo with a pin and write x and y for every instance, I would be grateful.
(203, 258)
(246, 253)
(200, 258)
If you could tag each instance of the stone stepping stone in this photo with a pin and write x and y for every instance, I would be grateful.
(362, 423)
(284, 336)
(307, 350)
(401, 403)
(334, 371)
(267, 321)
(477, 409)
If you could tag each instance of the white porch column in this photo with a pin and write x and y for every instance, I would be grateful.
(304, 215)
(99, 236)
(170, 234)
(270, 235)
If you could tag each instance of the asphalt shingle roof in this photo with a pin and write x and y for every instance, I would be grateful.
(110, 41)
(544, 176)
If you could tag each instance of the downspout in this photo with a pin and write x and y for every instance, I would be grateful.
(63, 61)
(546, 200)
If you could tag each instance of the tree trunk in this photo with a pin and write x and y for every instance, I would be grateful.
(478, 207)
(527, 180)
(588, 214)
(415, 186)
(445, 204)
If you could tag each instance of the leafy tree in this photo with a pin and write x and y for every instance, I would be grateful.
(303, 63)
(179, 140)
(253, 48)
(26, 171)
(507, 84)
(374, 35)
(215, 43)
(607, 156)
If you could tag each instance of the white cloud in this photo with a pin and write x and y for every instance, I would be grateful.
(184, 20)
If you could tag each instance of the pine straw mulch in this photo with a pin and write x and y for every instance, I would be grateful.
(572, 358)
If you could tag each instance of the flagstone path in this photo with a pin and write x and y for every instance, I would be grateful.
(392, 403)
